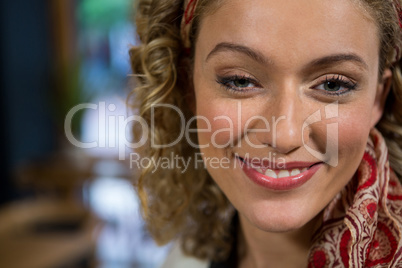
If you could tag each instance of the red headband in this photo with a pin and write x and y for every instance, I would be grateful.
(187, 21)
(399, 11)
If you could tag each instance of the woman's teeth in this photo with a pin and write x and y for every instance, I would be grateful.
(281, 173)
(270, 173)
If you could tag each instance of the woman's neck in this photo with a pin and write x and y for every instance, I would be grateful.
(260, 249)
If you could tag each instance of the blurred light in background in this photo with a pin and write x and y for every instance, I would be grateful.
(123, 242)
(54, 56)
(105, 36)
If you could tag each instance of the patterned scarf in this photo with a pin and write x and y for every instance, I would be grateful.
(362, 226)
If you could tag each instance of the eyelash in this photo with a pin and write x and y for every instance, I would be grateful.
(227, 83)
(339, 80)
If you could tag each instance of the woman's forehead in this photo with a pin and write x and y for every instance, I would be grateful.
(288, 30)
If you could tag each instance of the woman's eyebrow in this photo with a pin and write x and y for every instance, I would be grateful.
(224, 46)
(336, 59)
(259, 57)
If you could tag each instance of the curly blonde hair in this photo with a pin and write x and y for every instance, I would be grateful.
(189, 206)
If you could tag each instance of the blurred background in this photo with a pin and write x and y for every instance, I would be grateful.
(66, 197)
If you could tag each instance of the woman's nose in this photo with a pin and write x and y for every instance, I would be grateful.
(286, 115)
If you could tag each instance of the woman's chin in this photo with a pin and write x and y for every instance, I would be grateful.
(280, 221)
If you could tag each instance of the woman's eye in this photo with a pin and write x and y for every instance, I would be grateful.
(242, 83)
(237, 83)
(331, 86)
(337, 85)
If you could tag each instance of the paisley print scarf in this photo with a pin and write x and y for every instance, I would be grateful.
(362, 226)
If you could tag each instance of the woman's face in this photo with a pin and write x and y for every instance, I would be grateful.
(286, 94)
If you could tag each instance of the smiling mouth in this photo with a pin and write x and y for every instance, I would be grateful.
(289, 169)
(286, 177)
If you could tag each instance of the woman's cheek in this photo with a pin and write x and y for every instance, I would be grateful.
(220, 127)
(352, 135)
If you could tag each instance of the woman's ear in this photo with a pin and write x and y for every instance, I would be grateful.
(383, 89)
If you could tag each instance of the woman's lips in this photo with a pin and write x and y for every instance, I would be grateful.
(286, 178)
